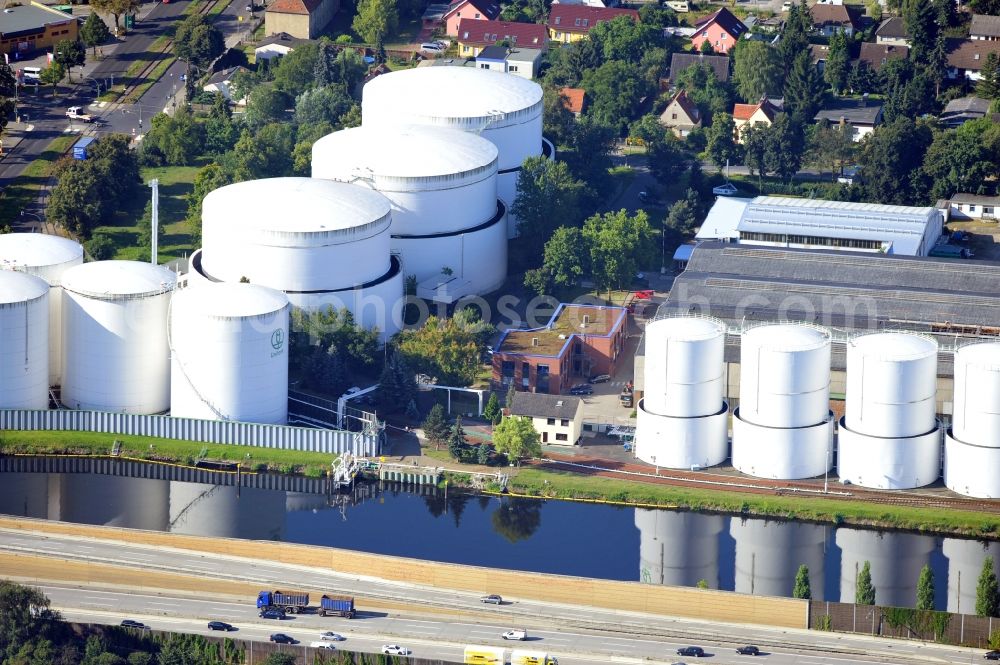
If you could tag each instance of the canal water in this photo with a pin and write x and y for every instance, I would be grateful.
(654, 546)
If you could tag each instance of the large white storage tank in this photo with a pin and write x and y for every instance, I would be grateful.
(48, 257)
(442, 184)
(24, 337)
(115, 354)
(678, 548)
(972, 445)
(504, 108)
(769, 553)
(229, 353)
(323, 243)
(783, 427)
(682, 417)
(889, 436)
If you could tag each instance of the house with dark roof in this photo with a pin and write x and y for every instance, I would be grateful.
(962, 110)
(721, 30)
(571, 23)
(558, 419)
(221, 83)
(818, 54)
(874, 56)
(830, 19)
(475, 35)
(681, 115)
(477, 10)
(966, 57)
(984, 28)
(523, 62)
(277, 45)
(892, 31)
(750, 115)
(973, 206)
(681, 61)
(862, 117)
(574, 99)
(301, 19)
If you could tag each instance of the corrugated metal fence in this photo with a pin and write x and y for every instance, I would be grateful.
(943, 627)
(330, 441)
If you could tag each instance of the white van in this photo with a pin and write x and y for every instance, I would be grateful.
(32, 74)
(515, 634)
(322, 645)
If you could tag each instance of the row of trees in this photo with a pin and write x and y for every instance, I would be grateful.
(513, 437)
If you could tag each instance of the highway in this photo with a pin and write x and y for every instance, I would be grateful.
(576, 635)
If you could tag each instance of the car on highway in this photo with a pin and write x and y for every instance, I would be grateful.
(727, 189)
(281, 638)
(748, 650)
(273, 613)
(395, 650)
(992, 655)
(519, 634)
(492, 599)
(220, 625)
(322, 645)
(331, 636)
(129, 623)
(697, 652)
(600, 378)
(581, 389)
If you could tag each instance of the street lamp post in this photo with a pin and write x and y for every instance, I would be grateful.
(38, 218)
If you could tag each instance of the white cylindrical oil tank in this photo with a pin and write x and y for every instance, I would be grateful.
(684, 366)
(891, 384)
(46, 256)
(229, 353)
(115, 353)
(24, 337)
(769, 553)
(895, 560)
(678, 548)
(504, 108)
(323, 243)
(976, 418)
(442, 184)
(970, 469)
(785, 375)
(965, 563)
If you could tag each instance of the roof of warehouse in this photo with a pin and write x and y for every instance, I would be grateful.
(22, 18)
(542, 405)
(568, 320)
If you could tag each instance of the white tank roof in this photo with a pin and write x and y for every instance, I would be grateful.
(688, 329)
(787, 337)
(406, 151)
(295, 206)
(982, 354)
(37, 249)
(451, 92)
(18, 287)
(223, 300)
(106, 280)
(895, 346)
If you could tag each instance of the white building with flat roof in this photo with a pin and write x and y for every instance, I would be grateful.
(777, 221)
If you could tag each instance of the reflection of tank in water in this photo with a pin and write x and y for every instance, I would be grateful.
(965, 562)
(25, 494)
(134, 503)
(215, 510)
(896, 560)
(768, 556)
(678, 549)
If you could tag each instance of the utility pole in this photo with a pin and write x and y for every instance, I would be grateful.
(154, 184)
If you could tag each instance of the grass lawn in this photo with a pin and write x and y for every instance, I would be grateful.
(24, 189)
(184, 452)
(176, 182)
(565, 485)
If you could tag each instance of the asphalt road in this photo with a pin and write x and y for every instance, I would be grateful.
(574, 634)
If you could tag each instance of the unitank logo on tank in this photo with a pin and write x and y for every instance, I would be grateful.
(277, 339)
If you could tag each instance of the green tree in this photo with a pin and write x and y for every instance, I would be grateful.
(755, 143)
(266, 154)
(988, 86)
(221, 133)
(444, 350)
(141, 658)
(722, 147)
(830, 147)
(483, 454)
(802, 587)
(702, 584)
(7, 93)
(908, 92)
(24, 616)
(492, 410)
(565, 257)
(94, 31)
(52, 75)
(959, 161)
(206, 181)
(548, 196)
(704, 89)
(619, 243)
(516, 438)
(75, 202)
(174, 140)
(100, 247)
(990, 7)
(925, 589)
(891, 160)
(920, 17)
(784, 147)
(795, 35)
(435, 426)
(327, 104)
(70, 53)
(376, 20)
(280, 658)
(117, 8)
(657, 16)
(456, 439)
(267, 103)
(804, 90)
(838, 62)
(757, 70)
(681, 217)
(197, 41)
(987, 595)
(557, 121)
(614, 90)
(624, 39)
(864, 593)
(296, 72)
(397, 385)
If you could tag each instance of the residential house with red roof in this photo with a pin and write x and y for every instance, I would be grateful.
(574, 100)
(748, 115)
(571, 23)
(681, 115)
(474, 35)
(721, 29)
(831, 19)
(301, 19)
(477, 10)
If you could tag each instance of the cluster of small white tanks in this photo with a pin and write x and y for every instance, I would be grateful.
(889, 437)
